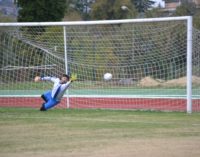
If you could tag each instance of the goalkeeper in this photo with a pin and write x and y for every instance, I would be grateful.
(53, 97)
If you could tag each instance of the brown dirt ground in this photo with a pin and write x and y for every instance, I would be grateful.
(150, 82)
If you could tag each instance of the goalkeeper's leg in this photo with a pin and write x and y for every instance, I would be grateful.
(49, 104)
(46, 96)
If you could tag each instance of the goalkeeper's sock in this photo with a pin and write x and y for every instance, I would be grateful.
(43, 97)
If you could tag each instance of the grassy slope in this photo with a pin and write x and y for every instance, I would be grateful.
(90, 132)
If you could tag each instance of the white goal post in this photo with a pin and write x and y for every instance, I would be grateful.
(133, 50)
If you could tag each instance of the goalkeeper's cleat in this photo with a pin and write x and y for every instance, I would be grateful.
(73, 77)
(42, 108)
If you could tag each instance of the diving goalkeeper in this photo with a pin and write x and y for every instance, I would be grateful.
(53, 97)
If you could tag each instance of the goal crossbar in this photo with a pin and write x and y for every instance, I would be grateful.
(97, 22)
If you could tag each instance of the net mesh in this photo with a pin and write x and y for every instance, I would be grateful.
(147, 62)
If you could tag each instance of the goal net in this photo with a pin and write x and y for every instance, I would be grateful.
(151, 62)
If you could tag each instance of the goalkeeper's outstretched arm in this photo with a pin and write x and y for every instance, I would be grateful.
(38, 79)
(54, 79)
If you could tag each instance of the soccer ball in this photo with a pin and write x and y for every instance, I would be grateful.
(107, 76)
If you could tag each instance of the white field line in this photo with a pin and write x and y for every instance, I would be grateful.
(112, 96)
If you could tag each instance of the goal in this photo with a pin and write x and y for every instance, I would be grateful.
(151, 61)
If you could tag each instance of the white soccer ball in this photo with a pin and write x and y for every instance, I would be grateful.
(107, 76)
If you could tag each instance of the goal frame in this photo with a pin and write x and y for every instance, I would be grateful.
(181, 18)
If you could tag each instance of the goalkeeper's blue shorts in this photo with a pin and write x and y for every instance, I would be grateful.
(49, 101)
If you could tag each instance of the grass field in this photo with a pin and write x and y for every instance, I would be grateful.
(97, 133)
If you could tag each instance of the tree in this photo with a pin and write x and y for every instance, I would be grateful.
(111, 9)
(142, 5)
(83, 7)
(41, 10)
(6, 18)
(189, 9)
(196, 20)
(71, 13)
(156, 12)
(186, 8)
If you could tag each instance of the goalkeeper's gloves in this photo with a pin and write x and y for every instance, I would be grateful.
(73, 77)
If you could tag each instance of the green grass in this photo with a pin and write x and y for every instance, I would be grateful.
(82, 132)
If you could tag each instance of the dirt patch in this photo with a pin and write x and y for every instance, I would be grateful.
(176, 82)
(148, 82)
(196, 80)
(181, 82)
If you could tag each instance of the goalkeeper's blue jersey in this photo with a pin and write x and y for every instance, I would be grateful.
(58, 89)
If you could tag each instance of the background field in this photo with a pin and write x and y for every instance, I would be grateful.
(97, 133)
